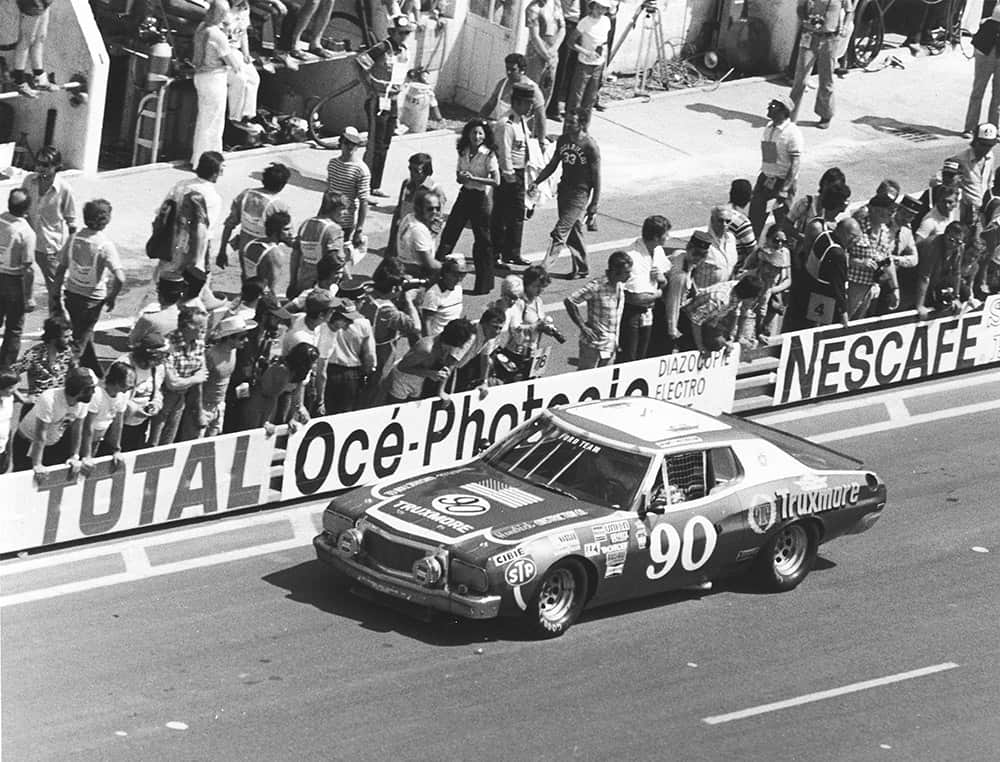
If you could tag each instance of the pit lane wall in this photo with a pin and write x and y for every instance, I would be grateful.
(884, 351)
(212, 476)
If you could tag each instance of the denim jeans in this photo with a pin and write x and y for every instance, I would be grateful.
(11, 317)
(571, 203)
(84, 313)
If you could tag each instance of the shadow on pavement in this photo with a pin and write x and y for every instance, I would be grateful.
(754, 120)
(745, 585)
(315, 584)
(906, 130)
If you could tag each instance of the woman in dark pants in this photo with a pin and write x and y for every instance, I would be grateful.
(478, 173)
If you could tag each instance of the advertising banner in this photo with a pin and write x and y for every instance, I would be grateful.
(156, 486)
(880, 352)
(351, 449)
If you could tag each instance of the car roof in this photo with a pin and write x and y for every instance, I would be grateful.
(644, 421)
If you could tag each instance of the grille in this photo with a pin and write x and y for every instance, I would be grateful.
(391, 555)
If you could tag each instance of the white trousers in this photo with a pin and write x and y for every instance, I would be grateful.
(243, 86)
(211, 89)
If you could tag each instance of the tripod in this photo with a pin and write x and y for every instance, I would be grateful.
(650, 35)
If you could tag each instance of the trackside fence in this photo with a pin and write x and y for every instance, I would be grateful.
(216, 476)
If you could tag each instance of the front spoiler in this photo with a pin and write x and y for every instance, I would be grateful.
(469, 607)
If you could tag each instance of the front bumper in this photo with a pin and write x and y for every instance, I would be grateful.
(467, 606)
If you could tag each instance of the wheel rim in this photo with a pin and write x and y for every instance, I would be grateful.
(790, 548)
(867, 40)
(556, 595)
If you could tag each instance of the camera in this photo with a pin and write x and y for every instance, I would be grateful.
(944, 297)
(816, 22)
(409, 284)
(555, 333)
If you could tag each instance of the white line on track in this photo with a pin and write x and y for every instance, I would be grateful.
(809, 698)
(913, 420)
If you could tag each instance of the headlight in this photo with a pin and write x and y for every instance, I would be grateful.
(349, 542)
(462, 574)
(428, 571)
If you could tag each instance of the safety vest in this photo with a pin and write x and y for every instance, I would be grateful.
(821, 247)
(11, 260)
(253, 213)
(252, 255)
(311, 236)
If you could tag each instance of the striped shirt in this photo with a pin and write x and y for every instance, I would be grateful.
(605, 302)
(742, 230)
(353, 179)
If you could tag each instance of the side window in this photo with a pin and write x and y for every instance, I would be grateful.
(687, 474)
(725, 468)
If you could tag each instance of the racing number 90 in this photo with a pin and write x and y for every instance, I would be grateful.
(666, 545)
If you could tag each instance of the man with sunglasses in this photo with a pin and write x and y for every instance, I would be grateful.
(941, 282)
(781, 146)
(416, 240)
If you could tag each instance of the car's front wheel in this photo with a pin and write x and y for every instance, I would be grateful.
(559, 599)
(787, 557)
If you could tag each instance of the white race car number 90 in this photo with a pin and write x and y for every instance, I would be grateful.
(667, 545)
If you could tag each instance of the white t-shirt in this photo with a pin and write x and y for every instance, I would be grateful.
(54, 410)
(934, 223)
(443, 306)
(298, 332)
(777, 145)
(593, 32)
(104, 408)
(641, 281)
(414, 237)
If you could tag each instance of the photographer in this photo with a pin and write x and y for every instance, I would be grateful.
(389, 308)
(426, 369)
(145, 398)
(442, 302)
(943, 283)
(824, 23)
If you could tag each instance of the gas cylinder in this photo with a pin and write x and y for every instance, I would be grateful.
(160, 56)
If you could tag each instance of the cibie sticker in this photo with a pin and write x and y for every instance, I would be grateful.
(461, 505)
(519, 572)
(763, 515)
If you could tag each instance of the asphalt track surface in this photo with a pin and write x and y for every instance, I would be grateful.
(887, 651)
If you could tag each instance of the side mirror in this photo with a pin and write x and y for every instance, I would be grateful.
(482, 444)
(658, 506)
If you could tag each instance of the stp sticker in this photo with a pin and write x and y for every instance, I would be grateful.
(461, 505)
(519, 572)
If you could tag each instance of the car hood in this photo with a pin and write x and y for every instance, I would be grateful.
(449, 507)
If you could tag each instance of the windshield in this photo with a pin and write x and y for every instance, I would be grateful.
(550, 457)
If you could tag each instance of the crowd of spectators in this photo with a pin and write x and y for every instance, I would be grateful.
(308, 336)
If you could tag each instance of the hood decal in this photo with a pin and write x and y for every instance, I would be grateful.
(503, 493)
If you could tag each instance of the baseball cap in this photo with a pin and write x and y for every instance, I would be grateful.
(344, 308)
(986, 132)
(351, 135)
(911, 204)
(951, 166)
(319, 300)
(700, 239)
(881, 202)
(784, 101)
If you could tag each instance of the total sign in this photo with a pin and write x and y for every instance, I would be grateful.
(154, 486)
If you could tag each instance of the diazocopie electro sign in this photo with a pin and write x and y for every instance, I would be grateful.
(357, 448)
(881, 352)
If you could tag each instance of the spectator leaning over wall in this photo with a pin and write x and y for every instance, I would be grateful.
(47, 363)
(145, 399)
(89, 257)
(52, 430)
(102, 429)
(17, 244)
(53, 217)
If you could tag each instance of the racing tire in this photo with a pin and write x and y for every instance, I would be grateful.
(558, 600)
(786, 558)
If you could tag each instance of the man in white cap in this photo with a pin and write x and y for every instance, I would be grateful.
(781, 147)
(348, 175)
(975, 170)
(347, 357)
(383, 70)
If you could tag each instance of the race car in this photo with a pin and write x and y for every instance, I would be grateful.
(595, 503)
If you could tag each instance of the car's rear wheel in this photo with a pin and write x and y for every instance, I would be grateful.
(559, 599)
(787, 557)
